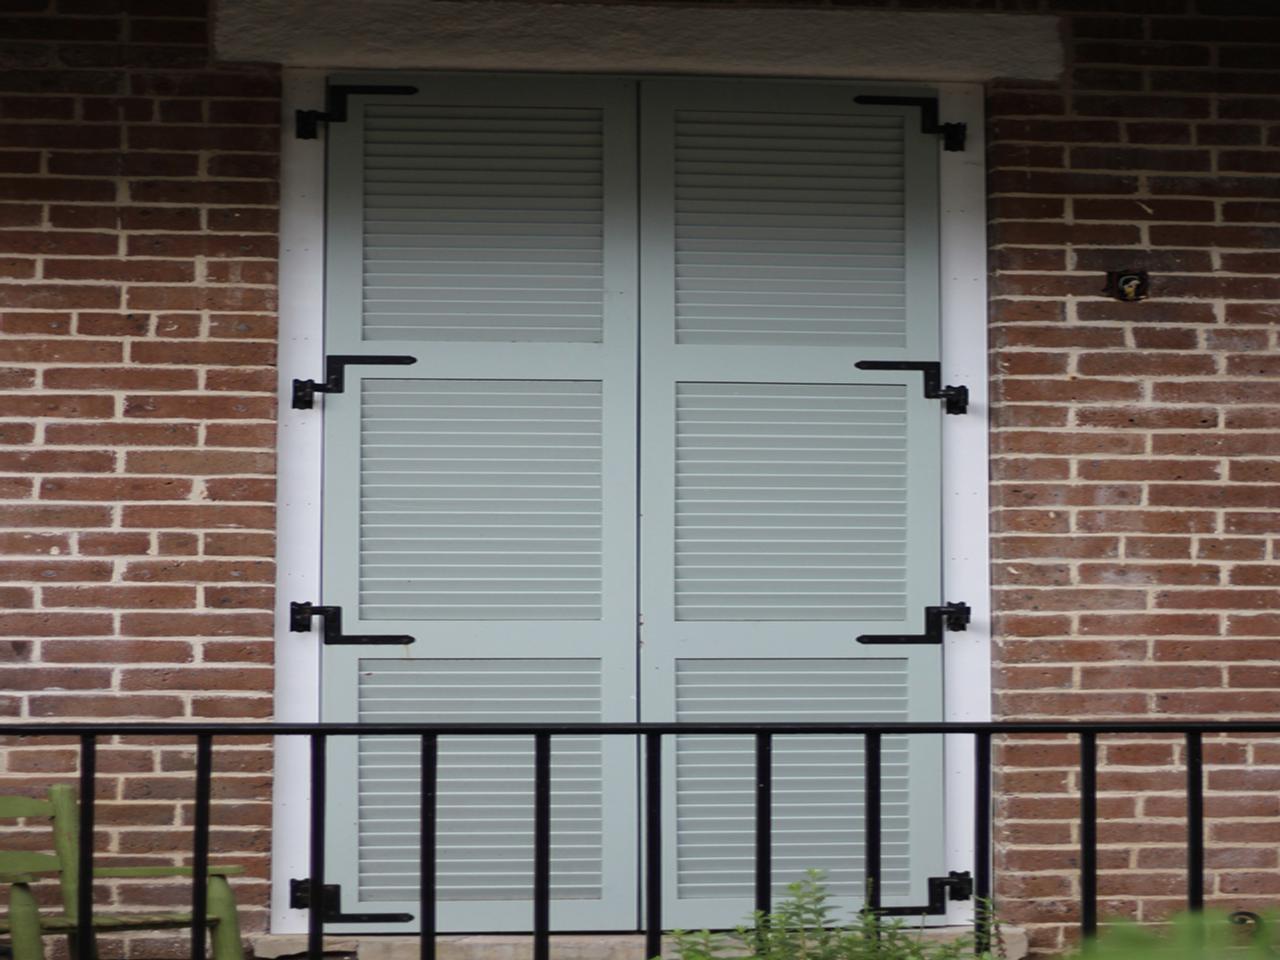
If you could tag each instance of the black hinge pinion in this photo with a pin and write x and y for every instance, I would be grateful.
(956, 886)
(953, 134)
(335, 376)
(331, 905)
(331, 634)
(949, 616)
(307, 122)
(955, 399)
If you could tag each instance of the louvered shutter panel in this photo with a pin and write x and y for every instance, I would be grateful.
(482, 500)
(789, 501)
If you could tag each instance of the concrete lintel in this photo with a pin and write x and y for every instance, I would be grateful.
(634, 38)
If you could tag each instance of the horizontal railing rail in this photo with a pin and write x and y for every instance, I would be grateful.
(651, 735)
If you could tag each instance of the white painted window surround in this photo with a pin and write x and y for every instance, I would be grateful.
(965, 513)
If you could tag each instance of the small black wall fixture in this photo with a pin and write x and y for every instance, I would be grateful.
(949, 616)
(331, 634)
(307, 122)
(335, 377)
(953, 134)
(957, 398)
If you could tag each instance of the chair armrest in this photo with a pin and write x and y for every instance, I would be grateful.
(124, 872)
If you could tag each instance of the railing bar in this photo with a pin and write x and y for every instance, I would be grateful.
(542, 846)
(1088, 834)
(652, 845)
(764, 822)
(982, 842)
(871, 817)
(1195, 821)
(593, 729)
(315, 900)
(200, 846)
(430, 777)
(84, 895)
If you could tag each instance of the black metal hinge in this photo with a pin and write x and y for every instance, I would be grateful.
(300, 615)
(335, 379)
(307, 122)
(953, 134)
(956, 886)
(949, 616)
(331, 905)
(957, 398)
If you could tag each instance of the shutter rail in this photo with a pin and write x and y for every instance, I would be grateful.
(957, 885)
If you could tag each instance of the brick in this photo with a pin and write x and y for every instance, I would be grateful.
(15, 543)
(124, 434)
(221, 354)
(112, 544)
(197, 516)
(54, 571)
(117, 651)
(105, 706)
(40, 623)
(120, 378)
(59, 515)
(202, 407)
(121, 597)
(56, 405)
(239, 598)
(57, 461)
(113, 489)
(201, 571)
(239, 544)
(195, 624)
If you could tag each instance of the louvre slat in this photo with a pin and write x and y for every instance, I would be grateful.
(495, 429)
(493, 179)
(817, 780)
(821, 182)
(485, 814)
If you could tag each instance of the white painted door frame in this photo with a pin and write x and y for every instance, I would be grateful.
(966, 549)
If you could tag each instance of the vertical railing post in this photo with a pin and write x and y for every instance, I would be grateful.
(764, 822)
(871, 841)
(982, 841)
(315, 900)
(541, 846)
(200, 846)
(84, 865)
(1088, 834)
(1195, 821)
(652, 845)
(429, 781)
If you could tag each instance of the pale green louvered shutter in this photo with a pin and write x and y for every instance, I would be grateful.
(790, 502)
(483, 499)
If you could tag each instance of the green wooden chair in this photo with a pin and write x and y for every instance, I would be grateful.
(26, 925)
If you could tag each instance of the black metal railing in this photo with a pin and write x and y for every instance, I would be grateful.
(651, 735)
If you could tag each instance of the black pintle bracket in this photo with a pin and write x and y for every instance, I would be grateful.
(307, 122)
(335, 377)
(957, 398)
(949, 616)
(331, 905)
(953, 134)
(331, 634)
(956, 886)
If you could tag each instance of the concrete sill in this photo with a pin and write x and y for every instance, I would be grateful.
(514, 947)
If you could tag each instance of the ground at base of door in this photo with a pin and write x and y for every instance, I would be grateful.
(516, 947)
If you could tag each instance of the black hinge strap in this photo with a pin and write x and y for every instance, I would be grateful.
(335, 378)
(307, 122)
(949, 616)
(300, 615)
(957, 398)
(953, 134)
(956, 886)
(331, 905)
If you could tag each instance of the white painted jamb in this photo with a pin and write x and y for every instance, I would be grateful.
(966, 543)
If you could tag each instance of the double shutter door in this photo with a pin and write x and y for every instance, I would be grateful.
(632, 474)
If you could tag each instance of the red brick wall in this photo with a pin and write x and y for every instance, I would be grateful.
(137, 337)
(1137, 446)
